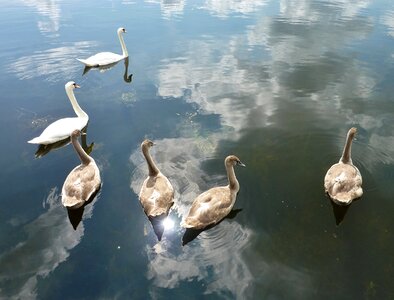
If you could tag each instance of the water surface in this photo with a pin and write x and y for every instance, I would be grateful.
(277, 83)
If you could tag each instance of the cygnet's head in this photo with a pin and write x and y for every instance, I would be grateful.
(146, 144)
(352, 131)
(71, 85)
(121, 30)
(76, 133)
(232, 160)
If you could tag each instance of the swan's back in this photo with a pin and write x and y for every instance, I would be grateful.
(156, 195)
(82, 182)
(343, 183)
(60, 130)
(210, 207)
(101, 59)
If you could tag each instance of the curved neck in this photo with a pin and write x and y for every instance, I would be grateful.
(124, 49)
(232, 180)
(78, 110)
(153, 170)
(85, 159)
(346, 155)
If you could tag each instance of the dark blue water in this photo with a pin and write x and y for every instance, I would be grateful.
(277, 83)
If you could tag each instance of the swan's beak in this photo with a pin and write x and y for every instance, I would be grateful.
(77, 86)
(240, 164)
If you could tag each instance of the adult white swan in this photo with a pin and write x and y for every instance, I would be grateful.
(343, 180)
(213, 205)
(63, 128)
(83, 181)
(107, 58)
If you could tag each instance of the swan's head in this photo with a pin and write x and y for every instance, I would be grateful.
(146, 144)
(232, 160)
(121, 30)
(71, 85)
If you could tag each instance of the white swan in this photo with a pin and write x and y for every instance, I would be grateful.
(63, 128)
(213, 205)
(157, 194)
(107, 58)
(343, 180)
(83, 181)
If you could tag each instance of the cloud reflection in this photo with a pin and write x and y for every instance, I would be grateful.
(300, 55)
(224, 9)
(48, 241)
(50, 12)
(170, 8)
(388, 20)
(219, 248)
(215, 252)
(55, 64)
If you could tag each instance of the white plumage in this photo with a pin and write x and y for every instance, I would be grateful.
(107, 58)
(61, 129)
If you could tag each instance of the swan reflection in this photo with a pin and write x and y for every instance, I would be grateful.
(126, 77)
(43, 150)
(339, 211)
(75, 215)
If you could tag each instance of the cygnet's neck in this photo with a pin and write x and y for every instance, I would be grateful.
(77, 109)
(85, 159)
(123, 45)
(153, 170)
(232, 180)
(346, 155)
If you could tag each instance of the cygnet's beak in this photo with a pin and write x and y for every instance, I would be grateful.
(239, 163)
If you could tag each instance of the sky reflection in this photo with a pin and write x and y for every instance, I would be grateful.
(217, 251)
(277, 83)
(50, 13)
(300, 58)
(223, 9)
(170, 8)
(56, 64)
(48, 241)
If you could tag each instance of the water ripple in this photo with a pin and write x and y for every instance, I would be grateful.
(53, 64)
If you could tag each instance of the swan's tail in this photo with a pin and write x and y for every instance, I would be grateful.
(186, 224)
(36, 140)
(84, 61)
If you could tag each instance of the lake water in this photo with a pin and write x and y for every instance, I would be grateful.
(277, 83)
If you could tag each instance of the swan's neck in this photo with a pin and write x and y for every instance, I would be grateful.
(232, 180)
(85, 159)
(124, 49)
(153, 170)
(78, 110)
(346, 155)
